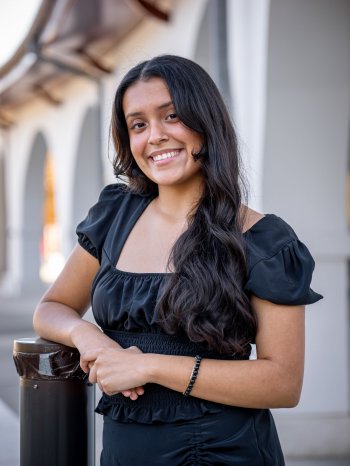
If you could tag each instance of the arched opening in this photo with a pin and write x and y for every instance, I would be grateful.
(3, 220)
(88, 179)
(42, 259)
(32, 216)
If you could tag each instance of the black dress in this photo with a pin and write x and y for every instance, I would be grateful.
(162, 427)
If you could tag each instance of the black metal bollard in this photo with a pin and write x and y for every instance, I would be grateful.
(57, 426)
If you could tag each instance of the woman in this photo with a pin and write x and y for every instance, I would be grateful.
(183, 278)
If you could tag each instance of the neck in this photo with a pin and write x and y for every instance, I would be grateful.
(177, 202)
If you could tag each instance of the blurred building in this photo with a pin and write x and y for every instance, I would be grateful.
(283, 67)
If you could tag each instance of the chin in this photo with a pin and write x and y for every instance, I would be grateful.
(166, 180)
(167, 183)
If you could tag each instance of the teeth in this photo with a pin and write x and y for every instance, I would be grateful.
(166, 155)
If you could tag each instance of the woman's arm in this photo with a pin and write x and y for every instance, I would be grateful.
(58, 316)
(274, 380)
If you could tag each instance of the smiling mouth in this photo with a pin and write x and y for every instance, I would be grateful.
(165, 155)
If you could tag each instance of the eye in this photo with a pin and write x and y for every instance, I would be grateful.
(172, 116)
(137, 125)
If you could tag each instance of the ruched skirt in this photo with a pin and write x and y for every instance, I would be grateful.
(234, 436)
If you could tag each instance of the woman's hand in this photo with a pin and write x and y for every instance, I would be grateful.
(89, 339)
(117, 370)
(86, 336)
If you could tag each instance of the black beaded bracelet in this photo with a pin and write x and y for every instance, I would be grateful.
(193, 376)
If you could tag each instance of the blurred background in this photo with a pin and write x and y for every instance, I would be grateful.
(283, 67)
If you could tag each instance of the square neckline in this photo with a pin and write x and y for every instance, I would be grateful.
(115, 258)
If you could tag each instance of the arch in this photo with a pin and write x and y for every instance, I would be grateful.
(3, 219)
(88, 178)
(33, 216)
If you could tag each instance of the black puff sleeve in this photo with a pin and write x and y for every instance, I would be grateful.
(280, 265)
(93, 229)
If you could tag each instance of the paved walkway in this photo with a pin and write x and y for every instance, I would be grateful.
(9, 435)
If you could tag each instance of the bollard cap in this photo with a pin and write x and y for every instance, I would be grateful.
(38, 345)
(39, 359)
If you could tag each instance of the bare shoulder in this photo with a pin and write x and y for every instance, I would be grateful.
(250, 217)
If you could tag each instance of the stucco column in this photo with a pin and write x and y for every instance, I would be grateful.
(247, 56)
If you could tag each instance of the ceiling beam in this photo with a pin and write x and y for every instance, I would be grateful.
(154, 10)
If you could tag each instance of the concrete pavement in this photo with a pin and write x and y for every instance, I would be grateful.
(9, 435)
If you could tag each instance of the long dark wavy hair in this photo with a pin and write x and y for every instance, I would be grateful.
(203, 298)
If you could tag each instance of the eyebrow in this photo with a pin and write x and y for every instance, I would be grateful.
(133, 114)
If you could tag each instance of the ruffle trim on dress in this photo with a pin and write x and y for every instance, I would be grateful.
(86, 244)
(163, 414)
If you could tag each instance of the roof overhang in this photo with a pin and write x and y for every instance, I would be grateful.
(67, 38)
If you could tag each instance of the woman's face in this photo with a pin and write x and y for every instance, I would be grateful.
(161, 144)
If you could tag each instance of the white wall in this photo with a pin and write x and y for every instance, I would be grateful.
(304, 181)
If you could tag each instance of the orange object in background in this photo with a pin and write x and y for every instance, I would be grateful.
(52, 259)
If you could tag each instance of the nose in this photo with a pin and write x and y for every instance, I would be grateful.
(157, 134)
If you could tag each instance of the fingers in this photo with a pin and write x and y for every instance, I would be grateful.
(87, 359)
(84, 365)
(100, 363)
(134, 393)
(93, 374)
